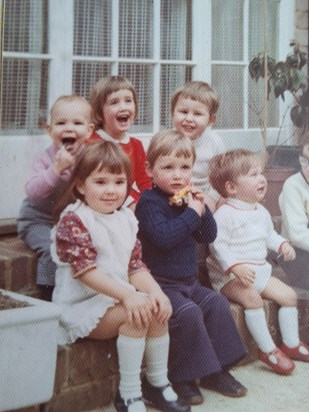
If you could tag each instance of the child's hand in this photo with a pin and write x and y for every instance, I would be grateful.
(64, 160)
(287, 251)
(180, 198)
(139, 308)
(210, 202)
(244, 274)
(196, 200)
(162, 306)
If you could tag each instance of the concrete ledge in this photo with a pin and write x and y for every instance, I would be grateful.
(8, 227)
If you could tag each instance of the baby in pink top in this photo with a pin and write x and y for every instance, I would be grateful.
(70, 124)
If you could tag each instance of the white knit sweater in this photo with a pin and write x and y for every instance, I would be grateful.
(294, 205)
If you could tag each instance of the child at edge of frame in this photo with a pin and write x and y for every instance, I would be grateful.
(293, 202)
(204, 341)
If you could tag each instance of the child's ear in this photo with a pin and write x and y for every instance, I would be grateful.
(231, 188)
(212, 119)
(148, 169)
(80, 187)
(47, 128)
(90, 130)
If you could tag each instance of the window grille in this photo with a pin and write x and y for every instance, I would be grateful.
(149, 41)
(121, 39)
(237, 36)
(24, 85)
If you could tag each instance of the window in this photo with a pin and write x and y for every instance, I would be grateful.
(56, 47)
(147, 41)
(237, 36)
(25, 65)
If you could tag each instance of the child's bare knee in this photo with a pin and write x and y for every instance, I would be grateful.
(157, 328)
(133, 330)
(290, 297)
(252, 300)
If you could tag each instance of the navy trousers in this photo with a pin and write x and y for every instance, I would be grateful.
(203, 335)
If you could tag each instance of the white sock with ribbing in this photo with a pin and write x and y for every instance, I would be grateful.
(156, 356)
(288, 323)
(257, 325)
(130, 356)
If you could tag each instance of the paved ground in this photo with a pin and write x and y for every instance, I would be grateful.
(267, 392)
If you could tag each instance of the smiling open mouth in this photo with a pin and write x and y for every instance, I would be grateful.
(68, 141)
(123, 118)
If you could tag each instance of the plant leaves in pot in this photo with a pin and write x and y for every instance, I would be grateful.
(279, 77)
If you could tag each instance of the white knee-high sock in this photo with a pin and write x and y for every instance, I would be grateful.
(288, 323)
(257, 325)
(130, 356)
(156, 357)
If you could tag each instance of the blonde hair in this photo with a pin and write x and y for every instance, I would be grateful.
(70, 99)
(167, 142)
(94, 156)
(100, 92)
(197, 90)
(229, 166)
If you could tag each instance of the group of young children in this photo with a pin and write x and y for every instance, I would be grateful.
(119, 255)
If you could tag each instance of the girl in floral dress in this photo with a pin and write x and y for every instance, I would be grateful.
(102, 284)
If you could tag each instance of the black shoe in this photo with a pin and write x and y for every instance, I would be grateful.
(225, 384)
(121, 405)
(188, 392)
(155, 397)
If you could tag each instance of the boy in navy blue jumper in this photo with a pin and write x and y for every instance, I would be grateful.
(205, 341)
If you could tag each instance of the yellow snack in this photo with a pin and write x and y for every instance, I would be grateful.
(180, 198)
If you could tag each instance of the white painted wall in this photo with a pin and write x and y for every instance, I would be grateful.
(16, 155)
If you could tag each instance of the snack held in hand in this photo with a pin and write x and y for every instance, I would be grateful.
(180, 198)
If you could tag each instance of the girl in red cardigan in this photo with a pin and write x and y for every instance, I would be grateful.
(115, 107)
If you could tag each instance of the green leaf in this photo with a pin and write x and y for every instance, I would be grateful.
(298, 80)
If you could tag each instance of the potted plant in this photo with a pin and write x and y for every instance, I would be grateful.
(285, 76)
(278, 78)
(28, 350)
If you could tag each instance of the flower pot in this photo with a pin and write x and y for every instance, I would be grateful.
(28, 352)
(276, 177)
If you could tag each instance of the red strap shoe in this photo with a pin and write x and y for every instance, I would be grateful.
(300, 352)
(278, 361)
